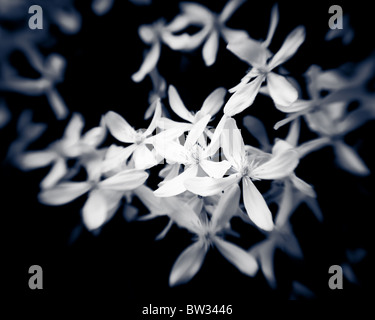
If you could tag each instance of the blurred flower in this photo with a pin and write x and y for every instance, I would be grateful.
(212, 27)
(248, 163)
(208, 233)
(258, 56)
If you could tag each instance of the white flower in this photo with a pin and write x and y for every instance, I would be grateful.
(71, 146)
(104, 196)
(120, 129)
(258, 56)
(193, 155)
(248, 163)
(212, 27)
(209, 233)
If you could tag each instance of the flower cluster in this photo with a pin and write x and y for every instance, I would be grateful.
(208, 173)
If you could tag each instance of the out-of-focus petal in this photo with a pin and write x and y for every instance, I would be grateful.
(101, 7)
(69, 22)
(250, 51)
(244, 97)
(124, 180)
(290, 46)
(149, 63)
(281, 90)
(207, 186)
(349, 160)
(232, 144)
(232, 35)
(155, 118)
(63, 193)
(119, 127)
(257, 129)
(278, 166)
(94, 212)
(228, 10)
(188, 264)
(214, 101)
(57, 103)
(36, 159)
(58, 171)
(178, 106)
(256, 206)
(273, 24)
(241, 259)
(210, 48)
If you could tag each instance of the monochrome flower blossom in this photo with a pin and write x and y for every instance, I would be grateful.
(192, 171)
(262, 64)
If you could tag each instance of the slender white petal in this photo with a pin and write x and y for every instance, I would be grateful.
(290, 46)
(233, 35)
(94, 212)
(155, 118)
(257, 129)
(153, 203)
(285, 206)
(278, 167)
(124, 180)
(302, 186)
(244, 97)
(197, 130)
(94, 137)
(36, 159)
(226, 208)
(273, 24)
(57, 103)
(232, 144)
(119, 127)
(215, 169)
(188, 264)
(250, 51)
(74, 128)
(214, 101)
(349, 160)
(149, 63)
(63, 193)
(172, 151)
(230, 7)
(241, 259)
(294, 132)
(58, 171)
(207, 186)
(281, 90)
(177, 105)
(256, 206)
(176, 185)
(210, 48)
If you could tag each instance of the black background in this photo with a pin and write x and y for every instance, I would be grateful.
(124, 260)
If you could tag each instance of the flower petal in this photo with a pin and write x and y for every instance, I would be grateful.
(250, 51)
(241, 259)
(281, 90)
(244, 97)
(176, 185)
(149, 63)
(290, 46)
(36, 159)
(58, 171)
(143, 158)
(124, 180)
(177, 105)
(196, 131)
(94, 212)
(273, 24)
(119, 127)
(155, 118)
(226, 208)
(63, 193)
(257, 130)
(215, 169)
(256, 206)
(57, 104)
(188, 264)
(230, 7)
(214, 101)
(232, 144)
(207, 186)
(349, 160)
(210, 48)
